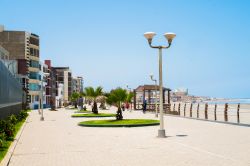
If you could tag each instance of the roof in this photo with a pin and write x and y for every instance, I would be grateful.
(149, 87)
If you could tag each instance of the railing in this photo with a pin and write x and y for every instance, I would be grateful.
(236, 113)
(151, 108)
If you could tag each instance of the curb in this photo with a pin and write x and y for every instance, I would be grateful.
(92, 116)
(138, 125)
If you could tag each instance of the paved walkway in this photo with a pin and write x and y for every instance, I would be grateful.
(58, 141)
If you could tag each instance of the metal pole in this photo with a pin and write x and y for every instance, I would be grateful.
(161, 131)
(156, 112)
(39, 104)
(42, 118)
(130, 109)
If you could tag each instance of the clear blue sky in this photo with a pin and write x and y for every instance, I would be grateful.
(102, 40)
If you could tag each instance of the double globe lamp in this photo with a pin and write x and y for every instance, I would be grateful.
(169, 36)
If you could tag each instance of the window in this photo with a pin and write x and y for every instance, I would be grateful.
(34, 52)
(34, 64)
(34, 75)
(34, 87)
(34, 41)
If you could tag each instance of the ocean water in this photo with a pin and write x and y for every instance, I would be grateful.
(230, 101)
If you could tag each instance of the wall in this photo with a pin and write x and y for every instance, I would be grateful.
(10, 93)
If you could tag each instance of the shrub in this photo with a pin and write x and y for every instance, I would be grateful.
(2, 139)
(13, 119)
(2, 126)
(22, 115)
(9, 129)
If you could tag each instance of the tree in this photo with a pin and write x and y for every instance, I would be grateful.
(74, 97)
(130, 95)
(93, 94)
(116, 97)
(102, 100)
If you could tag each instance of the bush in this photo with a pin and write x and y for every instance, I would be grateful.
(22, 115)
(2, 139)
(2, 126)
(9, 129)
(13, 119)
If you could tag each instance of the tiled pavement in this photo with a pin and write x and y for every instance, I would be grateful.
(59, 141)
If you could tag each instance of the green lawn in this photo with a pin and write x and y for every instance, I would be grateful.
(6, 144)
(94, 115)
(120, 123)
(82, 111)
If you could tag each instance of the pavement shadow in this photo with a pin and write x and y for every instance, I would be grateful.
(181, 135)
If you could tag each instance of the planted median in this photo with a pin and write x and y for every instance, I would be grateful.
(83, 111)
(120, 123)
(93, 115)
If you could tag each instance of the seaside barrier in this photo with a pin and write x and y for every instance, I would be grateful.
(221, 112)
(236, 113)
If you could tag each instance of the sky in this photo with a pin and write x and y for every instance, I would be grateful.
(102, 40)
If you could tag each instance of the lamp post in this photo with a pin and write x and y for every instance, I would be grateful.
(41, 98)
(169, 36)
(129, 89)
(152, 78)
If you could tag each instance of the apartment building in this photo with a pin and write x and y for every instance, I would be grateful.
(52, 84)
(11, 92)
(64, 76)
(24, 47)
(77, 84)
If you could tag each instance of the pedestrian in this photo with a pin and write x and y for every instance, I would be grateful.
(144, 106)
(123, 107)
(80, 103)
(127, 105)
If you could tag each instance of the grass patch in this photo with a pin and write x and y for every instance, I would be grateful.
(7, 143)
(71, 108)
(120, 123)
(94, 115)
(83, 111)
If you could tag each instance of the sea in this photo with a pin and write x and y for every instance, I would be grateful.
(229, 101)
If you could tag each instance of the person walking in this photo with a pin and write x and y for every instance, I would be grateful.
(127, 105)
(144, 106)
(80, 103)
(123, 107)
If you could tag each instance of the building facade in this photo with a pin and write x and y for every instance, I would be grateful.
(52, 84)
(64, 76)
(24, 47)
(11, 93)
(77, 84)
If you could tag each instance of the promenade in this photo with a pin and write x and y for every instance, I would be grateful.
(59, 141)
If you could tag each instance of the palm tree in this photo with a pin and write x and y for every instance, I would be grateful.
(102, 100)
(130, 95)
(116, 97)
(93, 94)
(74, 97)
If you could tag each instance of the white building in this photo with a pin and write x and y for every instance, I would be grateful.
(60, 95)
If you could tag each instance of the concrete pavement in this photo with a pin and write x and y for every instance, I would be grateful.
(60, 141)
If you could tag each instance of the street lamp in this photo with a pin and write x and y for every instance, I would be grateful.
(129, 89)
(41, 98)
(169, 36)
(152, 78)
